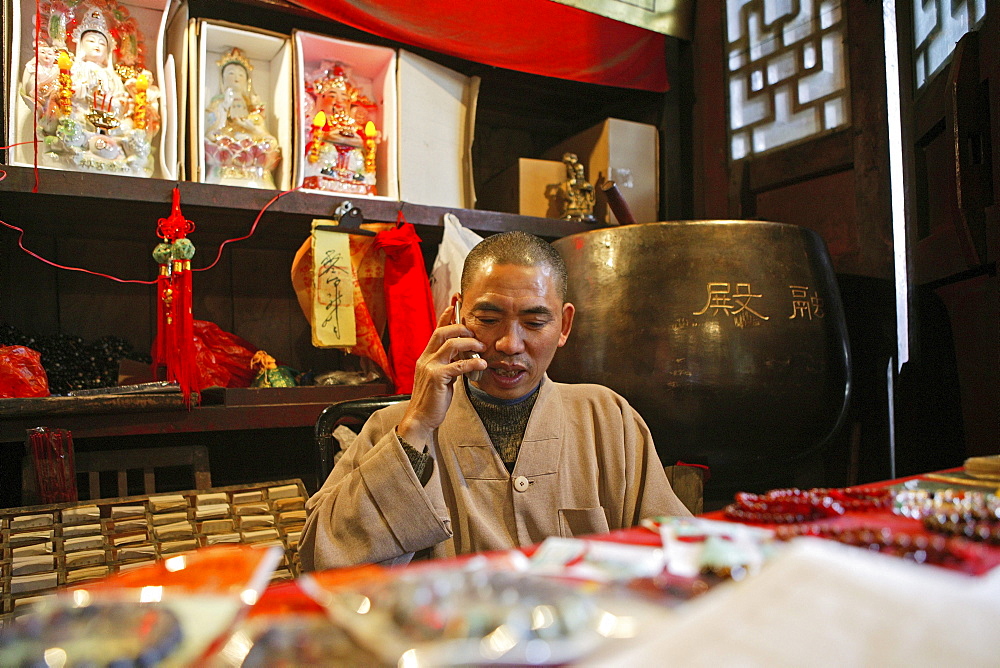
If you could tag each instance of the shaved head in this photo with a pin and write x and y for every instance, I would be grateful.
(516, 248)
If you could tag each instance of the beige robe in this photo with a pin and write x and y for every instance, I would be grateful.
(587, 465)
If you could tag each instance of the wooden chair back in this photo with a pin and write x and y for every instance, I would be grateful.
(689, 486)
(351, 412)
(145, 459)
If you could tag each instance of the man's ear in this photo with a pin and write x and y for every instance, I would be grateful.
(567, 322)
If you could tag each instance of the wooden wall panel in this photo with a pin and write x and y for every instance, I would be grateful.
(974, 313)
(264, 308)
(212, 299)
(869, 120)
(710, 160)
(825, 205)
(855, 159)
(267, 313)
(28, 297)
(93, 306)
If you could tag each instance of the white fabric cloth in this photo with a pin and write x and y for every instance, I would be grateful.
(820, 603)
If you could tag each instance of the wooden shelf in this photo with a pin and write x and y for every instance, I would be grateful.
(106, 223)
(70, 198)
(278, 408)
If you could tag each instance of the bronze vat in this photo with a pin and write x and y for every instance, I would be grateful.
(727, 336)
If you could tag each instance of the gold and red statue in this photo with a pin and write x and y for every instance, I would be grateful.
(341, 135)
(575, 195)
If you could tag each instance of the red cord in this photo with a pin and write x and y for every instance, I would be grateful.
(253, 228)
(20, 242)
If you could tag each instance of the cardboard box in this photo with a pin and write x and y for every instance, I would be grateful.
(175, 43)
(624, 152)
(266, 108)
(437, 118)
(323, 65)
(97, 148)
(522, 189)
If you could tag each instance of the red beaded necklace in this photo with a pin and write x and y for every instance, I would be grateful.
(793, 505)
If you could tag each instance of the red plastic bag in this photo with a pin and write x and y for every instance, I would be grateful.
(223, 359)
(22, 373)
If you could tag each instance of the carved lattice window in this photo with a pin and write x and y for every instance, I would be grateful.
(787, 72)
(937, 26)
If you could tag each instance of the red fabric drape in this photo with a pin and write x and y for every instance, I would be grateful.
(408, 302)
(534, 36)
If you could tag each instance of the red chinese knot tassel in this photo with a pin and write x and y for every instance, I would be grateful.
(173, 349)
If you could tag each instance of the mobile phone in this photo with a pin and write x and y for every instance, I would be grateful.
(474, 376)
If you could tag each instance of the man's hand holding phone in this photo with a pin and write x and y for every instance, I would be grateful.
(450, 352)
(475, 374)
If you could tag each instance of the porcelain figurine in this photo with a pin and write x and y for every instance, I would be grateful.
(95, 105)
(239, 149)
(341, 138)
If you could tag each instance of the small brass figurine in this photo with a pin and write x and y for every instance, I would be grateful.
(575, 194)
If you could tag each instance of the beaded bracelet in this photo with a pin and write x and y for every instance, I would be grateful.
(920, 503)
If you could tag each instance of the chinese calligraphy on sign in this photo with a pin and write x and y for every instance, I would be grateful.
(734, 299)
(333, 290)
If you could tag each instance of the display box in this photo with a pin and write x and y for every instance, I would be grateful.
(346, 122)
(437, 118)
(176, 45)
(422, 116)
(624, 152)
(240, 106)
(104, 84)
(525, 188)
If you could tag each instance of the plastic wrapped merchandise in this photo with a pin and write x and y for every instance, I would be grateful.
(472, 616)
(76, 633)
(291, 640)
(170, 613)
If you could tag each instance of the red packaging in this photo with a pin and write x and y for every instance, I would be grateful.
(21, 373)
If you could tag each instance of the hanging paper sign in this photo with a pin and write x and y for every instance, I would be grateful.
(333, 289)
(670, 17)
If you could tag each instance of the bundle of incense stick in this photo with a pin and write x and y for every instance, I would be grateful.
(55, 472)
